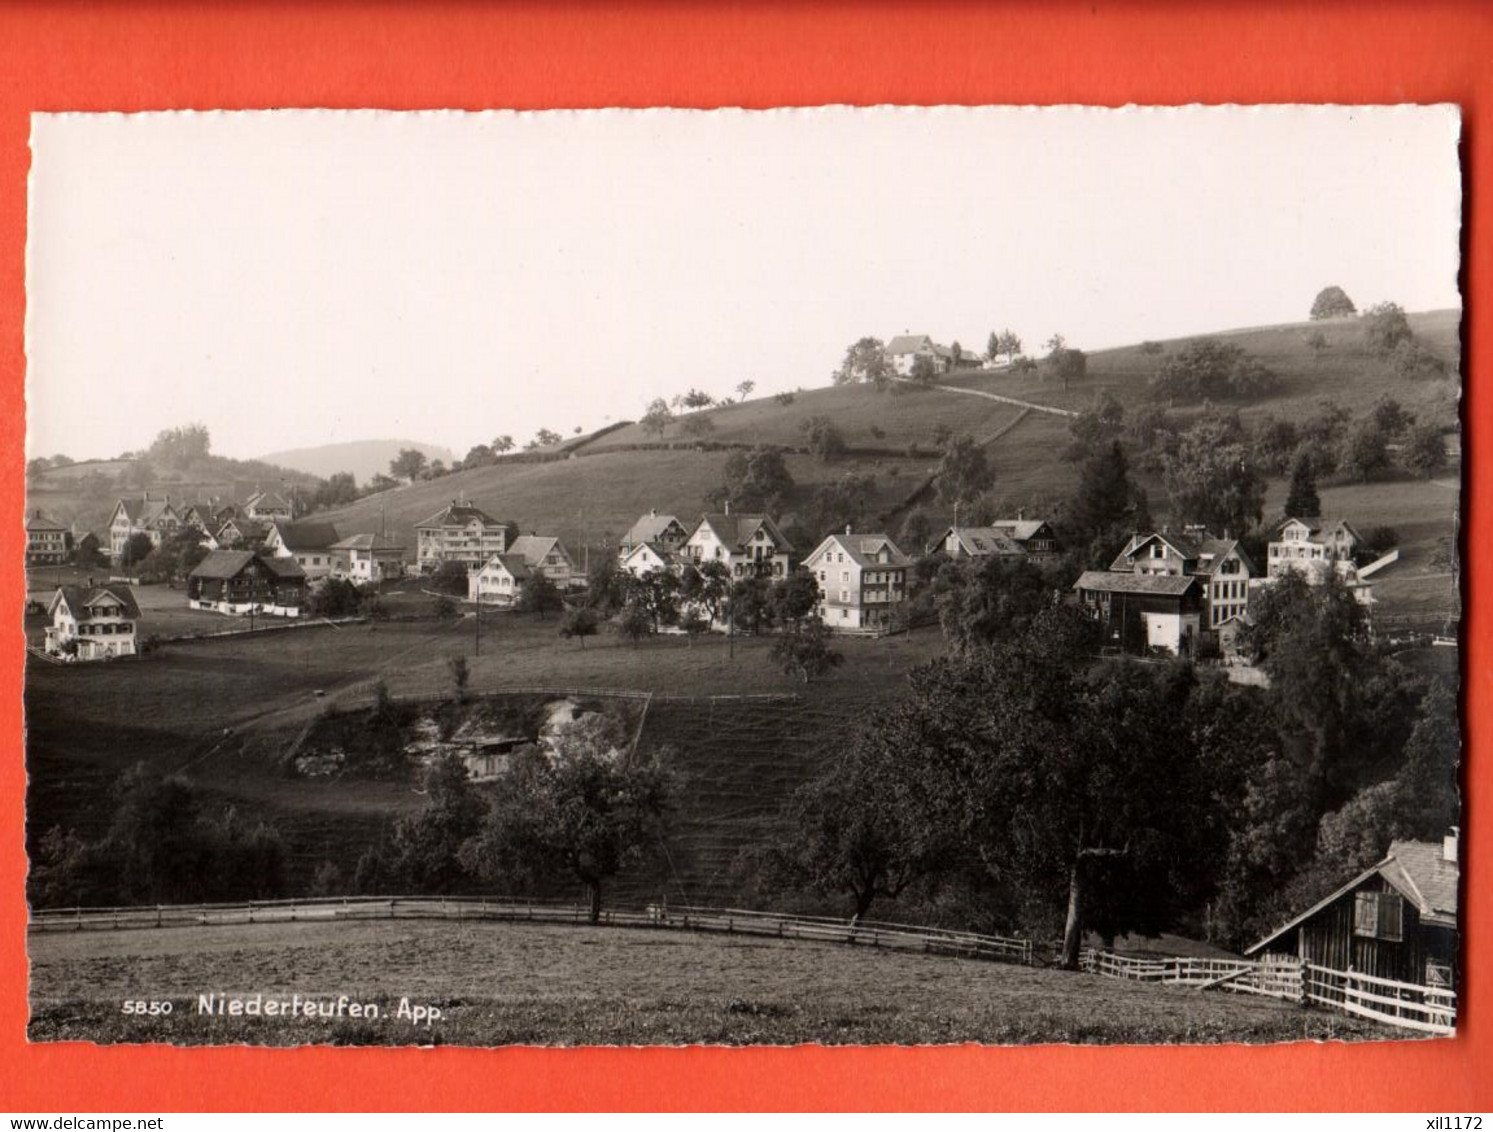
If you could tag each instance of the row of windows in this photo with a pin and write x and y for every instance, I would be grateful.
(1222, 613)
(108, 628)
(1230, 589)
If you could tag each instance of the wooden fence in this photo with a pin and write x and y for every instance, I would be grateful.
(736, 921)
(1409, 1005)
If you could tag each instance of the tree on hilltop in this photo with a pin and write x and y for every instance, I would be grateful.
(865, 360)
(408, 464)
(1332, 302)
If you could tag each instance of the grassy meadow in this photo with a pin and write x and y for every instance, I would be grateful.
(498, 984)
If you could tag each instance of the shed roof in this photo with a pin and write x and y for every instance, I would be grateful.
(1118, 581)
(80, 600)
(366, 540)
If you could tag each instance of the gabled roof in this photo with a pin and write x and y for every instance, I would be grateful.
(80, 600)
(306, 536)
(267, 501)
(650, 528)
(286, 569)
(457, 515)
(864, 548)
(533, 548)
(979, 542)
(1212, 551)
(1410, 868)
(1019, 529)
(223, 564)
(512, 563)
(368, 541)
(1318, 526)
(736, 531)
(251, 530)
(144, 512)
(39, 522)
(1119, 581)
(910, 344)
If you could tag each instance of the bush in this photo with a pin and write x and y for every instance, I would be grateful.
(784, 398)
(1150, 347)
(1385, 327)
(450, 578)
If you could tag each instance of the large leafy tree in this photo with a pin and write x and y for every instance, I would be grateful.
(1208, 368)
(582, 813)
(658, 417)
(1385, 327)
(1332, 302)
(1302, 501)
(1213, 480)
(964, 473)
(426, 848)
(755, 479)
(1107, 505)
(408, 464)
(865, 360)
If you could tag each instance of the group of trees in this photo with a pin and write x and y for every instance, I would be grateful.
(165, 843)
(1067, 795)
(573, 812)
(1210, 369)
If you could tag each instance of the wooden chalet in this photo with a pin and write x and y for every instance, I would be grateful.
(1396, 920)
(240, 582)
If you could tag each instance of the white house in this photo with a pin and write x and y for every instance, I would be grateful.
(1004, 538)
(903, 350)
(369, 558)
(498, 581)
(96, 623)
(267, 506)
(154, 518)
(749, 545)
(862, 581)
(47, 541)
(1223, 569)
(309, 544)
(1316, 548)
(648, 556)
(547, 555)
(663, 531)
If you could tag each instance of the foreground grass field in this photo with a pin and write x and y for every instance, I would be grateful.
(498, 984)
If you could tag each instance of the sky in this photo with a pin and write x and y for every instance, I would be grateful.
(294, 278)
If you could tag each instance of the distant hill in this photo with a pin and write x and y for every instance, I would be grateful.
(363, 458)
(593, 494)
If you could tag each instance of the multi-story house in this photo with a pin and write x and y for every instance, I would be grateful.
(1313, 547)
(648, 556)
(1005, 538)
(862, 581)
(154, 518)
(371, 558)
(663, 532)
(459, 533)
(309, 544)
(1223, 568)
(93, 623)
(750, 545)
(548, 556)
(241, 582)
(48, 542)
(241, 534)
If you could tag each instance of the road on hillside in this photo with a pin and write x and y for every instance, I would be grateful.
(997, 397)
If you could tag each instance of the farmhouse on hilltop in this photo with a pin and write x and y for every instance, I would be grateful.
(461, 533)
(93, 624)
(1396, 920)
(242, 582)
(862, 581)
(904, 350)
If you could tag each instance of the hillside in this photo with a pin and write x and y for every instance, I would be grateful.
(363, 458)
(594, 494)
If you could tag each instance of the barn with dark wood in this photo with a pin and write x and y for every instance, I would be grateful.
(1396, 920)
(242, 582)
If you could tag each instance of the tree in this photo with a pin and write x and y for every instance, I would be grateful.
(1317, 342)
(794, 598)
(1385, 327)
(694, 623)
(1302, 501)
(1413, 362)
(697, 425)
(537, 594)
(1425, 450)
(1332, 302)
(993, 346)
(866, 360)
(336, 597)
(1107, 506)
(804, 652)
(1213, 480)
(1210, 369)
(503, 443)
(859, 826)
(606, 587)
(381, 482)
(181, 447)
(136, 549)
(1067, 363)
(991, 600)
(825, 439)
(1276, 444)
(658, 417)
(579, 623)
(450, 577)
(545, 438)
(1366, 452)
(744, 388)
(656, 592)
(584, 814)
(461, 675)
(916, 530)
(757, 479)
(408, 464)
(635, 622)
(1391, 416)
(338, 490)
(1322, 435)
(427, 847)
(964, 473)
(1009, 344)
(923, 370)
(1095, 427)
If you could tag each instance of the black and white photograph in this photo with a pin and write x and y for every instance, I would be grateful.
(856, 576)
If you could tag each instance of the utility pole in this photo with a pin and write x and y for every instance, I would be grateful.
(477, 618)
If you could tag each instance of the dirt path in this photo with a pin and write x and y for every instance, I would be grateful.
(1053, 410)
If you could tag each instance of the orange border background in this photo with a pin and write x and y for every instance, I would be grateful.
(98, 56)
